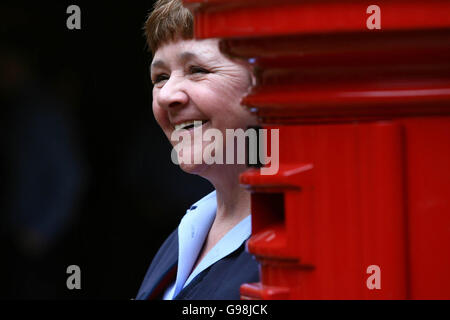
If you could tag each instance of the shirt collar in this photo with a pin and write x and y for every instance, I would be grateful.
(192, 232)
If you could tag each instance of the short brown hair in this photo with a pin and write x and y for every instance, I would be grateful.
(168, 20)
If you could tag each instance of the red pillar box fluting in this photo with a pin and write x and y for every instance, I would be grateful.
(360, 206)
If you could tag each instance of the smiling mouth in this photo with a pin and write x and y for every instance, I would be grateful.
(190, 124)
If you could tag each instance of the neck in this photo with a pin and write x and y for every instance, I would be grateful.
(233, 204)
(233, 201)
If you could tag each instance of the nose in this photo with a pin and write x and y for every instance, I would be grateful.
(172, 94)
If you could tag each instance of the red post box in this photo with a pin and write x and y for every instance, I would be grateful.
(360, 206)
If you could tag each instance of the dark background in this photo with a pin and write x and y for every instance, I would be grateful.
(85, 172)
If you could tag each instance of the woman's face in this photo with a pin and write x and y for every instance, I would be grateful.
(194, 81)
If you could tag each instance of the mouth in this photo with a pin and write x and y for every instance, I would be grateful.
(187, 125)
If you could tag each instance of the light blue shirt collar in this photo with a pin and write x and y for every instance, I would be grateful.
(192, 232)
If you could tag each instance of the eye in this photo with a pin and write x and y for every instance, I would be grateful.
(160, 77)
(197, 69)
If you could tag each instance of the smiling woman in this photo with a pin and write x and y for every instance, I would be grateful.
(195, 82)
(197, 87)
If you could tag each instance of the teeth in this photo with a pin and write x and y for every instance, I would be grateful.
(195, 123)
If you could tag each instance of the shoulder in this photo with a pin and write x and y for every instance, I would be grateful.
(167, 253)
(163, 262)
(167, 256)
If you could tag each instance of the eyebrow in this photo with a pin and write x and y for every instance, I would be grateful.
(157, 64)
(184, 56)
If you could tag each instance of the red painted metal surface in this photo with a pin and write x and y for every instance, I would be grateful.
(249, 18)
(342, 210)
(364, 120)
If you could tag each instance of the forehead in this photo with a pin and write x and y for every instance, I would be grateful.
(182, 50)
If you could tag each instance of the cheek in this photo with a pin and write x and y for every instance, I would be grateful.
(227, 104)
(235, 86)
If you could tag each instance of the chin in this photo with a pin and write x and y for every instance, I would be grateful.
(193, 168)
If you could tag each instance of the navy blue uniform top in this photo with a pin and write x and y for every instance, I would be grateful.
(220, 273)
